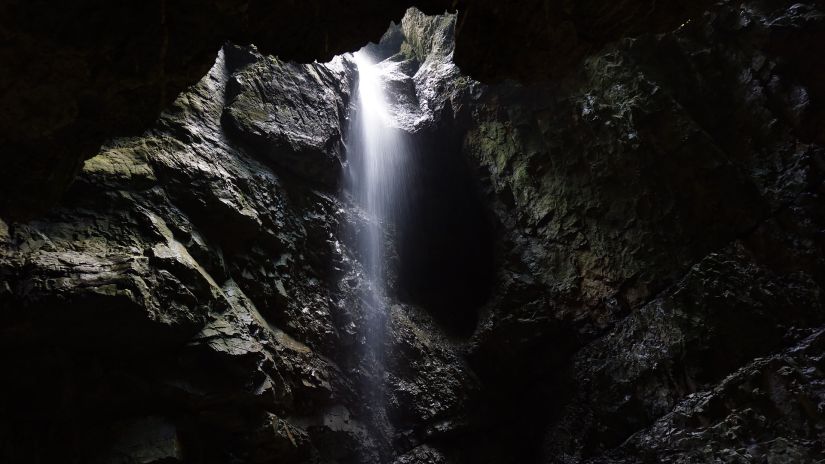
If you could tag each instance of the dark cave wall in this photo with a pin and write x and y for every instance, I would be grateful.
(663, 206)
(654, 222)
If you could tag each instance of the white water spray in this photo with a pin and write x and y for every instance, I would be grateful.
(377, 151)
(377, 156)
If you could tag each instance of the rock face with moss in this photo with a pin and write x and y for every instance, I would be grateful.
(625, 265)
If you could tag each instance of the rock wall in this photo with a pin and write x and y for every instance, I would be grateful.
(661, 214)
(653, 223)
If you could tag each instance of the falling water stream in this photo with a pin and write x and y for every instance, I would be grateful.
(377, 151)
(377, 160)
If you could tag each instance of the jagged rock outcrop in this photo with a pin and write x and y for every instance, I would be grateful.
(771, 405)
(635, 265)
(142, 290)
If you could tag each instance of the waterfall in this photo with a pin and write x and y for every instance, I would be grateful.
(376, 169)
(376, 153)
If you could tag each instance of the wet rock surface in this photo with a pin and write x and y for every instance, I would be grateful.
(653, 289)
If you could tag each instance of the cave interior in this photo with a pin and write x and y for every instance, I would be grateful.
(539, 232)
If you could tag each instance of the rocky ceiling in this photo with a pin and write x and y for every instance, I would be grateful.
(77, 73)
